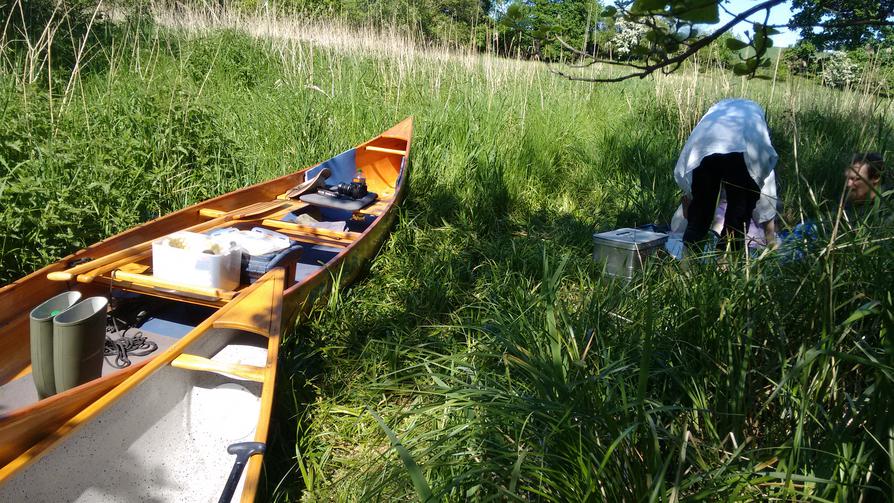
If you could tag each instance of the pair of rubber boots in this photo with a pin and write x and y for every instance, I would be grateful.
(67, 342)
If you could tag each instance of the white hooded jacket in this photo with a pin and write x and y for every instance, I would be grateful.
(734, 125)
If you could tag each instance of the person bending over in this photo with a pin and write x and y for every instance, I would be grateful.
(729, 148)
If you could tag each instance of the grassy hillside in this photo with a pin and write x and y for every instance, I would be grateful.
(484, 356)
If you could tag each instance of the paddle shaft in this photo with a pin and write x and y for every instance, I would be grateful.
(243, 451)
(86, 267)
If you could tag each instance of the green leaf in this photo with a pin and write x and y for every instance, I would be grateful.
(741, 69)
(735, 44)
(639, 51)
(423, 490)
(648, 5)
(767, 30)
(863, 311)
(699, 11)
(609, 11)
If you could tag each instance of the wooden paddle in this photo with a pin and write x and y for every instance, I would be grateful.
(86, 269)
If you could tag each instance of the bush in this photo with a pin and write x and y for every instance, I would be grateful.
(801, 58)
(718, 53)
(839, 70)
(628, 37)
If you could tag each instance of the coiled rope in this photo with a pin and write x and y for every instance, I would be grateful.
(125, 346)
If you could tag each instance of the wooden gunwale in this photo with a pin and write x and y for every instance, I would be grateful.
(253, 470)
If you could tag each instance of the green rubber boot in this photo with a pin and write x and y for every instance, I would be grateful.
(42, 341)
(79, 335)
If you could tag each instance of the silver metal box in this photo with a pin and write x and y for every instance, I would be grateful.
(623, 251)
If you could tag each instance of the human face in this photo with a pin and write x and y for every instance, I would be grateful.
(859, 185)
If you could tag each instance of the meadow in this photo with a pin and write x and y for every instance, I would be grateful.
(483, 356)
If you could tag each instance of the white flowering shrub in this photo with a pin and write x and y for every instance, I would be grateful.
(839, 70)
(628, 35)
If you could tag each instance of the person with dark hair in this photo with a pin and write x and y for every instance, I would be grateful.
(863, 178)
(728, 150)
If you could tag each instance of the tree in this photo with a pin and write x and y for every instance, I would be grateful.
(437, 20)
(673, 31)
(537, 26)
(837, 18)
(720, 54)
(515, 28)
(801, 58)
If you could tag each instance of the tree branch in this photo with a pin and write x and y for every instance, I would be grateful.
(596, 60)
(678, 59)
(856, 22)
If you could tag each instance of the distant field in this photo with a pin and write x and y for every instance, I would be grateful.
(484, 339)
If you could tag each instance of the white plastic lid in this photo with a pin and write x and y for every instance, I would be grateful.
(195, 242)
(630, 239)
(255, 241)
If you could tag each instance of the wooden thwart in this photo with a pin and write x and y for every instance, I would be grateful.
(193, 362)
(314, 231)
(317, 240)
(376, 208)
(386, 150)
(146, 281)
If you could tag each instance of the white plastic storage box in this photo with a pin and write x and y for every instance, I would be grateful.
(262, 250)
(197, 260)
(622, 252)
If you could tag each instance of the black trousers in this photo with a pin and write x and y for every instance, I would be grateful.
(742, 194)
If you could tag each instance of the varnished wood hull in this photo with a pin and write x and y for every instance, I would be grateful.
(51, 421)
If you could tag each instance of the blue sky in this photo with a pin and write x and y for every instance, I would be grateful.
(780, 14)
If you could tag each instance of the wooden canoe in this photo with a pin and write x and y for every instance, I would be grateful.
(160, 428)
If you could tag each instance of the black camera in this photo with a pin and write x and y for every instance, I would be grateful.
(352, 190)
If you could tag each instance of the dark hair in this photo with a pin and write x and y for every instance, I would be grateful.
(873, 161)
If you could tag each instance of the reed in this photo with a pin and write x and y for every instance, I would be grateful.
(484, 356)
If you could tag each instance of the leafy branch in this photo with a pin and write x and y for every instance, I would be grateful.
(671, 36)
(663, 42)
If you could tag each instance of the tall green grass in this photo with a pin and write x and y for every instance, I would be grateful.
(484, 356)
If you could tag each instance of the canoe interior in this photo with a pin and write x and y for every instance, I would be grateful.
(168, 435)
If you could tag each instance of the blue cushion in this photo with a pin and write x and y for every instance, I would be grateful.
(343, 168)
